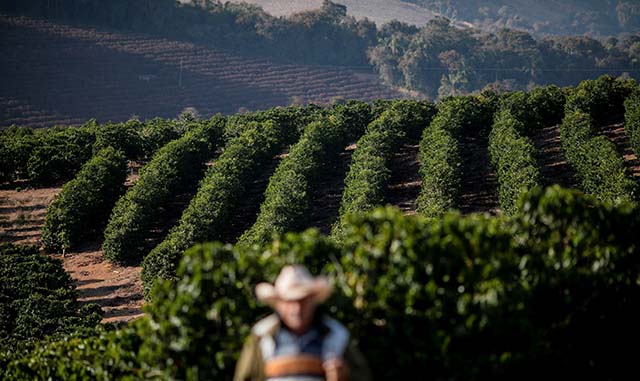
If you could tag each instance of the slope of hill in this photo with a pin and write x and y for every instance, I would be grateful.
(595, 18)
(482, 177)
(57, 74)
(378, 11)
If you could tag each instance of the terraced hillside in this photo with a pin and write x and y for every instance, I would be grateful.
(57, 74)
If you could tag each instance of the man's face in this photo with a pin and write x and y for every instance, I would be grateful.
(297, 315)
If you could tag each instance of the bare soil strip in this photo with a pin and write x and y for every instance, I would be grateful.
(554, 167)
(325, 198)
(405, 184)
(169, 218)
(617, 134)
(22, 214)
(246, 212)
(479, 182)
(118, 290)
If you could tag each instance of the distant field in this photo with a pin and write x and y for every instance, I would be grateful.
(57, 74)
(378, 11)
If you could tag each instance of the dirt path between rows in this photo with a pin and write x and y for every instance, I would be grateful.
(118, 290)
(404, 187)
(479, 181)
(246, 211)
(554, 167)
(617, 134)
(326, 196)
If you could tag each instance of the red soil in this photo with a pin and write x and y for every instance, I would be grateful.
(118, 290)
(405, 183)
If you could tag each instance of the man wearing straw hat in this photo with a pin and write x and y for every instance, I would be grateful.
(298, 343)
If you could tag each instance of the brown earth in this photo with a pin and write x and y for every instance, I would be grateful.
(118, 290)
(22, 213)
(57, 74)
(404, 187)
(246, 212)
(554, 168)
(168, 218)
(479, 181)
(326, 196)
(616, 133)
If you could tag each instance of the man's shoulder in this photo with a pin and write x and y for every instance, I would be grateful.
(266, 326)
(334, 325)
(338, 337)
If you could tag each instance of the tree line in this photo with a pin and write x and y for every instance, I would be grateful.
(543, 17)
(437, 59)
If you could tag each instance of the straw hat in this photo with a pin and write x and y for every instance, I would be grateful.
(294, 283)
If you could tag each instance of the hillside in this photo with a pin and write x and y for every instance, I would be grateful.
(594, 18)
(372, 171)
(378, 11)
(505, 269)
(57, 74)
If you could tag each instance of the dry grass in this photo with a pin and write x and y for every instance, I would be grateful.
(22, 214)
(378, 11)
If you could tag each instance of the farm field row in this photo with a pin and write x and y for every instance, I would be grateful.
(354, 157)
(54, 73)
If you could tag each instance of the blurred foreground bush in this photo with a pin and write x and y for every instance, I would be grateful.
(553, 290)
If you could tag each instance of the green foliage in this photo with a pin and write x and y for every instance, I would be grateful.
(157, 132)
(552, 290)
(517, 104)
(82, 208)
(58, 155)
(441, 59)
(547, 104)
(513, 157)
(37, 300)
(369, 173)
(293, 119)
(201, 318)
(286, 203)
(173, 169)
(50, 156)
(354, 116)
(579, 270)
(477, 297)
(424, 287)
(595, 160)
(440, 169)
(632, 121)
(542, 106)
(600, 98)
(102, 355)
(544, 17)
(124, 137)
(440, 151)
(222, 187)
(16, 145)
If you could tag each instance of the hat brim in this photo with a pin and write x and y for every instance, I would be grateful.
(320, 289)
